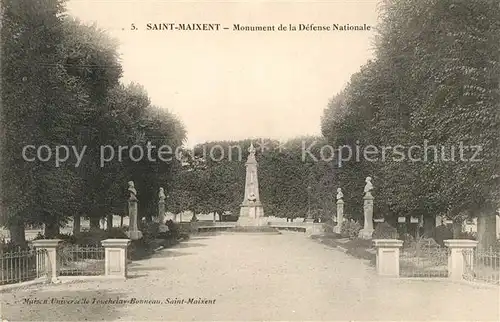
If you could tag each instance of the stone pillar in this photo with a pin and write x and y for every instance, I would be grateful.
(115, 257)
(161, 210)
(457, 257)
(340, 216)
(387, 263)
(367, 231)
(133, 232)
(50, 246)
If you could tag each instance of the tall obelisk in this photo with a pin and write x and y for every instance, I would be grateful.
(251, 210)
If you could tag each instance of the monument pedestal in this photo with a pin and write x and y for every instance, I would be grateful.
(251, 215)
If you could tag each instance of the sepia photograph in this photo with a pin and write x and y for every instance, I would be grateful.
(249, 160)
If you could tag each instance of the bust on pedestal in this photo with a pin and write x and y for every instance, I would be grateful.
(367, 231)
(251, 211)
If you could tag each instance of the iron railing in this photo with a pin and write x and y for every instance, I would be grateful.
(76, 260)
(482, 266)
(22, 265)
(424, 260)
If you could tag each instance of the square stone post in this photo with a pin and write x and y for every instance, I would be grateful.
(134, 232)
(367, 231)
(161, 211)
(115, 257)
(50, 246)
(340, 216)
(387, 263)
(457, 256)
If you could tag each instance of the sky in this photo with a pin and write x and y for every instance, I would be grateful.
(232, 85)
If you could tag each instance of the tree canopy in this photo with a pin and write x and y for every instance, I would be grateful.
(61, 87)
(434, 85)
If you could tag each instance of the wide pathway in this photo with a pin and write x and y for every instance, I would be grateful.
(256, 277)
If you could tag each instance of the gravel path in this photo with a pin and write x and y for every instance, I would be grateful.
(256, 277)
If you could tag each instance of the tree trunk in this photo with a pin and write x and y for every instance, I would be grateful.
(17, 233)
(430, 226)
(121, 221)
(486, 229)
(109, 220)
(457, 228)
(51, 229)
(94, 223)
(77, 223)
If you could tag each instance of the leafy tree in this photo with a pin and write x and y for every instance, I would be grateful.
(39, 98)
(62, 88)
(432, 81)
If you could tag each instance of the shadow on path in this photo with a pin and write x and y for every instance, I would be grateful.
(356, 248)
(188, 245)
(132, 275)
(169, 253)
(147, 268)
(198, 238)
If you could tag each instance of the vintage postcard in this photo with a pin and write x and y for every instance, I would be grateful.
(255, 160)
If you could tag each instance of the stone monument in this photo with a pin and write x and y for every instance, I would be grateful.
(161, 210)
(340, 211)
(133, 231)
(251, 211)
(367, 231)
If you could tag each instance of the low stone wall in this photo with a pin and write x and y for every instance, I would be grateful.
(309, 228)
